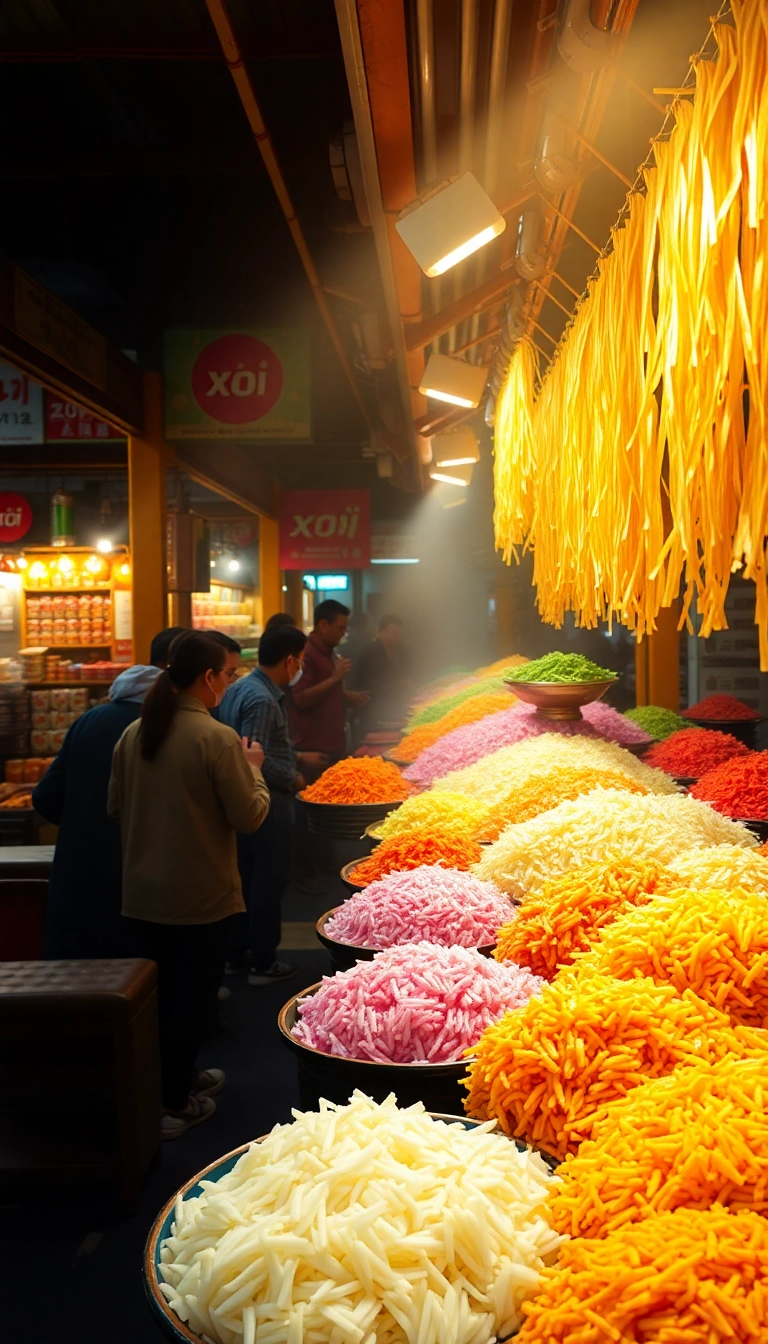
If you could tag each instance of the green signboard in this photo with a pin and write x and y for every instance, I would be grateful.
(242, 383)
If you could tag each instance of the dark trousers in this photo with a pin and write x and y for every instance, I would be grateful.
(264, 859)
(190, 964)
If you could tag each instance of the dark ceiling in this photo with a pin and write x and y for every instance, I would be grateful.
(133, 188)
(139, 196)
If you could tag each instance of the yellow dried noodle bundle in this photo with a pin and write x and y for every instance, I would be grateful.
(695, 1138)
(687, 1277)
(713, 942)
(645, 475)
(513, 459)
(543, 1071)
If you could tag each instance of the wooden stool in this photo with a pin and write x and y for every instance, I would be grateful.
(79, 1050)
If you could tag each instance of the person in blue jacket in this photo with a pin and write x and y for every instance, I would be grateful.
(83, 919)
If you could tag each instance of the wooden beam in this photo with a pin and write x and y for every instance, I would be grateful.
(566, 219)
(594, 151)
(419, 334)
(147, 502)
(54, 345)
(488, 335)
(230, 473)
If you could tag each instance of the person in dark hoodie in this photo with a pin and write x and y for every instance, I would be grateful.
(84, 896)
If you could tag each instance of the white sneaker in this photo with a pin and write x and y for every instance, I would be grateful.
(176, 1123)
(207, 1082)
(279, 970)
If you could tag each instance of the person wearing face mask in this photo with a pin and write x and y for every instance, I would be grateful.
(182, 786)
(255, 707)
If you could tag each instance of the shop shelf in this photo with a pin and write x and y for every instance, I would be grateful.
(73, 681)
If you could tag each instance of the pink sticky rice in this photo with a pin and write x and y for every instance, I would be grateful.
(468, 744)
(427, 904)
(414, 1004)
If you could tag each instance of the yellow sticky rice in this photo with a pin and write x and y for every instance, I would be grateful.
(603, 825)
(495, 775)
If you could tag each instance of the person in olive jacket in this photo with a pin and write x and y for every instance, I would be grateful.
(182, 786)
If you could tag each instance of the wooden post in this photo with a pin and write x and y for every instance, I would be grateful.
(657, 662)
(270, 574)
(147, 505)
(293, 599)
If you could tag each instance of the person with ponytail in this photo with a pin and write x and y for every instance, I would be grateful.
(182, 786)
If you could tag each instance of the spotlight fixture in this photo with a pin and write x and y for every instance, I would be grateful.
(453, 380)
(459, 449)
(104, 545)
(233, 566)
(449, 225)
(461, 475)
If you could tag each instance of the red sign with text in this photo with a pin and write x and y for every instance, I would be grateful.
(325, 529)
(66, 421)
(15, 516)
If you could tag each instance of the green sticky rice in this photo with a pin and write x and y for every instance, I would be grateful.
(563, 668)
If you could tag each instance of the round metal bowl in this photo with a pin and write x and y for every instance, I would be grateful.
(636, 748)
(685, 781)
(320, 1074)
(345, 955)
(347, 820)
(345, 875)
(756, 825)
(374, 833)
(559, 700)
(393, 759)
(165, 1318)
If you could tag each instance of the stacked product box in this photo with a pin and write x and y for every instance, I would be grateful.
(81, 620)
(52, 713)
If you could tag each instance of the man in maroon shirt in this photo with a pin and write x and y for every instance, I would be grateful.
(317, 703)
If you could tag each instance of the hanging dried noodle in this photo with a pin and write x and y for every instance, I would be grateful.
(644, 475)
(514, 453)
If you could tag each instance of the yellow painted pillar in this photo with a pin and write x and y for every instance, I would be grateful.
(657, 662)
(293, 599)
(270, 573)
(147, 504)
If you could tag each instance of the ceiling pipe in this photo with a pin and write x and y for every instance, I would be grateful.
(582, 45)
(467, 84)
(502, 17)
(236, 66)
(467, 103)
(596, 89)
(425, 40)
(374, 48)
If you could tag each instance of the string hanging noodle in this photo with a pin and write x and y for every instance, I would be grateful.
(645, 474)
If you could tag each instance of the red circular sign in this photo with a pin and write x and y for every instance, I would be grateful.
(237, 379)
(15, 516)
